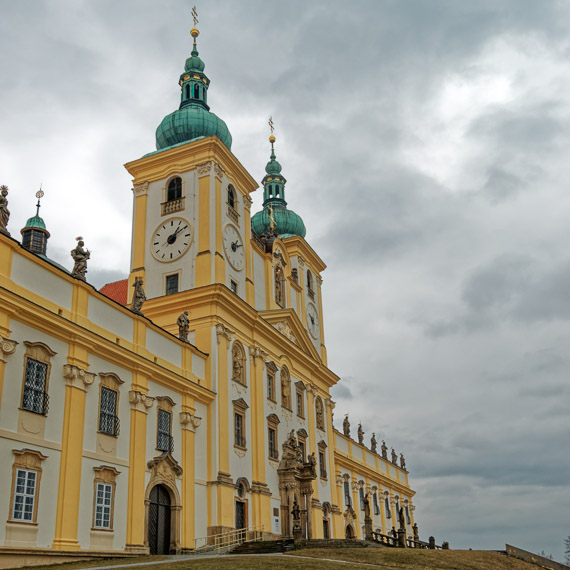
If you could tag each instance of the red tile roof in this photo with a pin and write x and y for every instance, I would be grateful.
(116, 291)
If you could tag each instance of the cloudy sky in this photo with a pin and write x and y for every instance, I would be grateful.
(426, 146)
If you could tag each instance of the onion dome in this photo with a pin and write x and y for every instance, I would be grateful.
(275, 217)
(193, 119)
(34, 233)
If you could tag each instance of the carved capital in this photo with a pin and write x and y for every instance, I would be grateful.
(311, 388)
(247, 202)
(219, 171)
(256, 352)
(339, 480)
(319, 280)
(7, 347)
(141, 188)
(140, 402)
(354, 485)
(330, 403)
(301, 261)
(223, 332)
(204, 169)
(77, 377)
(189, 421)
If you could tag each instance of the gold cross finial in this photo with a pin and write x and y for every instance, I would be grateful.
(271, 125)
(194, 16)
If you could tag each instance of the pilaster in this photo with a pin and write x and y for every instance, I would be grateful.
(7, 347)
(249, 284)
(140, 404)
(77, 381)
(203, 258)
(140, 192)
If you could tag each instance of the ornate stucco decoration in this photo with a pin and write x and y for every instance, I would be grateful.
(141, 188)
(319, 280)
(204, 169)
(301, 261)
(189, 421)
(247, 202)
(354, 485)
(256, 352)
(223, 332)
(140, 402)
(284, 328)
(7, 347)
(339, 480)
(77, 377)
(219, 171)
(164, 468)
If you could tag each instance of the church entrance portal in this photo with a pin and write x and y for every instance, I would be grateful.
(159, 520)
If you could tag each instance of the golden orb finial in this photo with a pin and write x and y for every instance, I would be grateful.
(271, 139)
(272, 128)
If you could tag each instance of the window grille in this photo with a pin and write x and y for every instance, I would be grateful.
(270, 387)
(239, 431)
(35, 397)
(231, 197)
(273, 454)
(24, 495)
(164, 440)
(171, 284)
(347, 497)
(103, 498)
(174, 190)
(300, 405)
(108, 420)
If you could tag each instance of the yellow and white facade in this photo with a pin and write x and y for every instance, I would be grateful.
(134, 421)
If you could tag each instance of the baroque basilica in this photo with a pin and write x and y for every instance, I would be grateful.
(191, 399)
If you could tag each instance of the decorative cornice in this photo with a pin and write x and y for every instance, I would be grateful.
(189, 421)
(261, 488)
(7, 347)
(140, 402)
(222, 331)
(141, 188)
(204, 169)
(77, 377)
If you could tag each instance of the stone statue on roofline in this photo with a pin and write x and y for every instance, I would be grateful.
(373, 443)
(80, 256)
(346, 426)
(138, 296)
(360, 434)
(183, 326)
(4, 212)
(402, 462)
(384, 449)
(394, 457)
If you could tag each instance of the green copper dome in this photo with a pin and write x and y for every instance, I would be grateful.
(287, 222)
(35, 222)
(275, 217)
(193, 119)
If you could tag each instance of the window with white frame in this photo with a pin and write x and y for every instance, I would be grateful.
(24, 495)
(103, 504)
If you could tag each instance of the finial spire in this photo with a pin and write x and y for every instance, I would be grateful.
(39, 196)
(194, 31)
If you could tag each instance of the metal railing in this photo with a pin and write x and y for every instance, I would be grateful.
(226, 541)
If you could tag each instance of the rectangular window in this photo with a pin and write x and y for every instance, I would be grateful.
(322, 465)
(271, 386)
(171, 284)
(35, 397)
(24, 495)
(361, 495)
(272, 439)
(376, 505)
(163, 438)
(302, 448)
(347, 497)
(408, 520)
(233, 286)
(103, 499)
(239, 429)
(387, 507)
(108, 420)
(300, 407)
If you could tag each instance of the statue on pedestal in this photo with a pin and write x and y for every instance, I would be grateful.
(360, 434)
(80, 257)
(183, 326)
(346, 426)
(4, 212)
(373, 443)
(384, 450)
(138, 296)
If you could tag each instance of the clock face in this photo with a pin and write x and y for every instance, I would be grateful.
(233, 246)
(171, 239)
(313, 320)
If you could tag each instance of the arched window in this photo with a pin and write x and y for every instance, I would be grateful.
(196, 94)
(187, 91)
(279, 286)
(309, 280)
(285, 388)
(276, 191)
(231, 196)
(238, 363)
(174, 189)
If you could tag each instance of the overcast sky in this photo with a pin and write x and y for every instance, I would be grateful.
(426, 146)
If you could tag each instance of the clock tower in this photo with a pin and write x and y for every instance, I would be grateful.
(191, 214)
